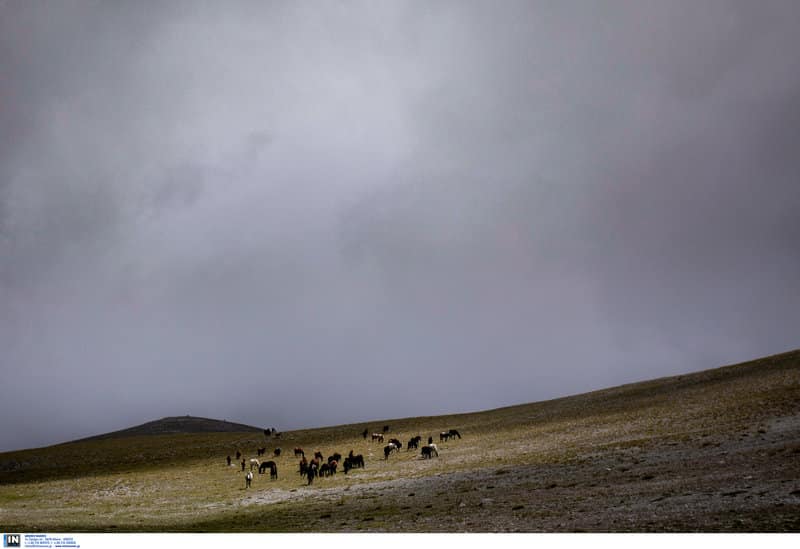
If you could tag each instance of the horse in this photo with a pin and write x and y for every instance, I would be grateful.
(377, 436)
(428, 451)
(261, 451)
(413, 443)
(385, 428)
(444, 435)
(312, 470)
(454, 433)
(238, 455)
(318, 455)
(254, 463)
(299, 452)
(396, 443)
(273, 469)
(303, 466)
(351, 462)
(277, 452)
(267, 433)
(388, 449)
(364, 434)
(335, 457)
(324, 470)
(332, 465)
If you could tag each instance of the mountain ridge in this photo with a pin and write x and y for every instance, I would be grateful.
(171, 425)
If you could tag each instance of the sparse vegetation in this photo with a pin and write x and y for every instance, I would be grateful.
(711, 451)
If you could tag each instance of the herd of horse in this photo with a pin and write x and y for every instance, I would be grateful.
(318, 466)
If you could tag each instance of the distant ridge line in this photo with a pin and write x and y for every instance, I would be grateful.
(177, 425)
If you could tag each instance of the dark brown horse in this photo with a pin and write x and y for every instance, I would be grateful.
(352, 462)
(303, 466)
(273, 469)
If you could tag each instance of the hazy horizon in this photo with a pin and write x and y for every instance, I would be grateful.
(297, 214)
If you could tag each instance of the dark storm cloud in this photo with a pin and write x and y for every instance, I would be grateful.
(297, 214)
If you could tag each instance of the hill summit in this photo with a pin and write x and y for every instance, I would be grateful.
(177, 425)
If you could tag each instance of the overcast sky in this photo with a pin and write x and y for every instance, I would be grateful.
(298, 214)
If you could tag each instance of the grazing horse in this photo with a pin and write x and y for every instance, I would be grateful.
(312, 470)
(318, 455)
(335, 457)
(303, 466)
(429, 450)
(454, 433)
(364, 434)
(273, 469)
(248, 479)
(396, 443)
(413, 443)
(377, 436)
(332, 466)
(351, 462)
(385, 428)
(254, 463)
(444, 435)
(324, 470)
(299, 452)
(388, 449)
(277, 452)
(261, 451)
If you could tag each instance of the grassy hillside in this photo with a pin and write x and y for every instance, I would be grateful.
(709, 451)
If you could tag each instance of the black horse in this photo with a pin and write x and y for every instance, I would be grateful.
(312, 471)
(413, 443)
(396, 443)
(454, 433)
(273, 469)
(335, 457)
(388, 449)
(277, 452)
(364, 434)
(385, 428)
(353, 462)
(303, 466)
(428, 451)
